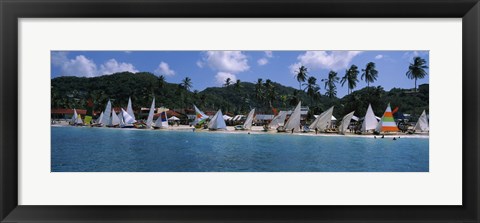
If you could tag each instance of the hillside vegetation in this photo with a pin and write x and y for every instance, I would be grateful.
(237, 98)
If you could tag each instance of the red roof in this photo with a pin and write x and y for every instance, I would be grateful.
(68, 111)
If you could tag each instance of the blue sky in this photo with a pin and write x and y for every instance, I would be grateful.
(211, 68)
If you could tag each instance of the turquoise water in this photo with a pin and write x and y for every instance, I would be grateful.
(77, 149)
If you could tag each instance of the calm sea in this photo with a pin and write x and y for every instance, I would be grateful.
(84, 149)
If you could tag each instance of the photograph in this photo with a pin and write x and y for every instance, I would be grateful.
(240, 111)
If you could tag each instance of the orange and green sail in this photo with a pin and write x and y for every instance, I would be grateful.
(387, 123)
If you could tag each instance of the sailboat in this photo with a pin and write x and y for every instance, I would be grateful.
(293, 123)
(277, 121)
(79, 120)
(162, 121)
(345, 122)
(127, 119)
(73, 120)
(107, 114)
(387, 123)
(370, 121)
(200, 118)
(130, 110)
(322, 122)
(150, 115)
(422, 123)
(248, 122)
(99, 121)
(114, 120)
(217, 122)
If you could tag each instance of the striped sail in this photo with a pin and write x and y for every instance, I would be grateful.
(387, 123)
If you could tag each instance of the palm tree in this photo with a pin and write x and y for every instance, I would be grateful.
(312, 87)
(238, 85)
(270, 92)
(259, 89)
(302, 75)
(161, 81)
(369, 73)
(351, 78)
(331, 89)
(416, 70)
(228, 81)
(186, 83)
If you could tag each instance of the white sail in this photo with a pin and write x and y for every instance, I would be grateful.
(107, 114)
(278, 120)
(422, 123)
(100, 119)
(74, 117)
(150, 114)
(115, 119)
(120, 117)
(323, 120)
(130, 111)
(294, 120)
(345, 122)
(370, 122)
(162, 120)
(248, 122)
(79, 120)
(127, 118)
(217, 121)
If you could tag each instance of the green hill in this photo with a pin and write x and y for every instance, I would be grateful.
(74, 92)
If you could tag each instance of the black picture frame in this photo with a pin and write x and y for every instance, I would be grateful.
(11, 11)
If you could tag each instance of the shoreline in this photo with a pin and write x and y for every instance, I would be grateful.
(257, 130)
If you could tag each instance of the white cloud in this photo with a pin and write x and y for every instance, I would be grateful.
(59, 58)
(85, 67)
(330, 60)
(226, 61)
(269, 54)
(262, 61)
(200, 64)
(411, 54)
(379, 56)
(80, 66)
(112, 66)
(222, 76)
(164, 69)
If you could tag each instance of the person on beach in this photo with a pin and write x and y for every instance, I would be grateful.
(292, 130)
(374, 137)
(316, 131)
(383, 136)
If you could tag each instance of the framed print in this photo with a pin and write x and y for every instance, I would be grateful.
(239, 111)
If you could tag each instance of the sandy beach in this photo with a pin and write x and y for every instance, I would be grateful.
(259, 130)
